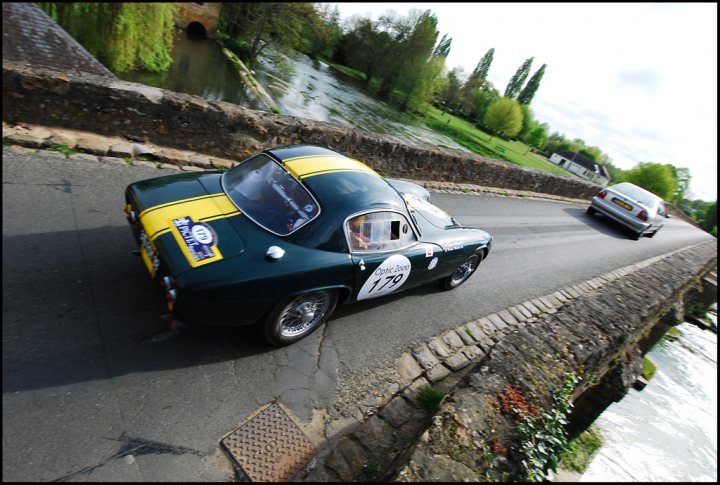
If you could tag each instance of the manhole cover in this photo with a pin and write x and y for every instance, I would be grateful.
(269, 447)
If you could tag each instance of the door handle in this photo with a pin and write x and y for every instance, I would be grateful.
(361, 263)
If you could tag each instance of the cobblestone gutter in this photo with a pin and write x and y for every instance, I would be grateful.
(587, 328)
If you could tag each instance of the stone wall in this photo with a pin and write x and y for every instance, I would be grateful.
(598, 329)
(597, 337)
(118, 108)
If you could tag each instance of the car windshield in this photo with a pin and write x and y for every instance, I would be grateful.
(436, 216)
(636, 193)
(266, 193)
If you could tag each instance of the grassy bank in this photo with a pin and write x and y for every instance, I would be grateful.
(472, 138)
(466, 134)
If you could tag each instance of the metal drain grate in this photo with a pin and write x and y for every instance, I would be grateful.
(269, 447)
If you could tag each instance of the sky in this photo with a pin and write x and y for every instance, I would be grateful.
(637, 80)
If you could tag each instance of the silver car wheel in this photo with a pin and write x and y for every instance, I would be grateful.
(464, 271)
(303, 313)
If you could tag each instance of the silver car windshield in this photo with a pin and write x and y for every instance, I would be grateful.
(269, 195)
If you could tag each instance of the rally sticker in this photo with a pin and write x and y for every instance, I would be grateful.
(197, 240)
(388, 277)
(429, 252)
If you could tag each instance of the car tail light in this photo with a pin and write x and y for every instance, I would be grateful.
(602, 194)
(170, 297)
(642, 215)
(130, 214)
(166, 283)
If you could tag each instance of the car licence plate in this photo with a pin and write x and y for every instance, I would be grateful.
(622, 204)
(152, 262)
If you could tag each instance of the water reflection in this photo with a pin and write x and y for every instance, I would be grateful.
(300, 86)
(668, 431)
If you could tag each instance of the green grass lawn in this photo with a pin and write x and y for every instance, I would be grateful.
(472, 138)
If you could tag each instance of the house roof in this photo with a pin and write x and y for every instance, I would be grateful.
(585, 162)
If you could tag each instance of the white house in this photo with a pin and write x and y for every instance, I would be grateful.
(582, 166)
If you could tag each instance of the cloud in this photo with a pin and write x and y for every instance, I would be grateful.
(645, 80)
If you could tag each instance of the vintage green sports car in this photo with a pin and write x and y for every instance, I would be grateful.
(287, 234)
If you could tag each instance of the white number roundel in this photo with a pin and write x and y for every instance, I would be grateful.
(387, 278)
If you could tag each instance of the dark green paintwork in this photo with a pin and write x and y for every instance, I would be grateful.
(243, 286)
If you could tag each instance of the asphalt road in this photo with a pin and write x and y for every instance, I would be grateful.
(95, 389)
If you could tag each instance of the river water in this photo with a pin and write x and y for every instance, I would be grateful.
(668, 431)
(300, 86)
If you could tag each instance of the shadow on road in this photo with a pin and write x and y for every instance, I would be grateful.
(79, 306)
(601, 223)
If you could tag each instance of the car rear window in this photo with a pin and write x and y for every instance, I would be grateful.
(269, 195)
(638, 194)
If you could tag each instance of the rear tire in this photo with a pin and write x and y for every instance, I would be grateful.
(652, 234)
(462, 273)
(638, 235)
(297, 317)
(590, 211)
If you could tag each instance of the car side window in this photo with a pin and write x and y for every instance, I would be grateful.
(379, 231)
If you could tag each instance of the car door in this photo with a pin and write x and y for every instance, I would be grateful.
(386, 253)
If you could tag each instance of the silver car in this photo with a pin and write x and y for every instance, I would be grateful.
(634, 207)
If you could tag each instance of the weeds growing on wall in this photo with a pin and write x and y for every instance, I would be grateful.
(542, 432)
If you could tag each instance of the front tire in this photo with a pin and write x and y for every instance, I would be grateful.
(462, 273)
(299, 316)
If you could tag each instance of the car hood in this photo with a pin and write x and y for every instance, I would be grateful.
(187, 219)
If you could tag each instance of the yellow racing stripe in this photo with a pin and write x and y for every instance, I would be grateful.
(157, 220)
(310, 165)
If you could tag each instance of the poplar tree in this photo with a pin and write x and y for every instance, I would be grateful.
(528, 93)
(481, 70)
(518, 79)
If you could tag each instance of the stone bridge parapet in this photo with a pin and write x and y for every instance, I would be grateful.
(119, 108)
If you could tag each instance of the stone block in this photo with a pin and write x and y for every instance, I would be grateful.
(121, 150)
(453, 340)
(519, 316)
(561, 298)
(552, 300)
(497, 322)
(397, 412)
(424, 356)
(438, 373)
(465, 334)
(457, 361)
(507, 317)
(472, 352)
(412, 390)
(540, 305)
(526, 313)
(546, 303)
(408, 368)
(438, 347)
(531, 308)
(476, 332)
(93, 144)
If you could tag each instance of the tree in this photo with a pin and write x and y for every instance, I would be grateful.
(504, 117)
(122, 35)
(483, 66)
(484, 98)
(528, 92)
(452, 89)
(259, 23)
(443, 47)
(322, 31)
(518, 79)
(538, 136)
(657, 178)
(682, 175)
(709, 221)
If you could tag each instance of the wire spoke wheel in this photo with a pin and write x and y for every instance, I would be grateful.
(299, 316)
(462, 273)
(303, 312)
